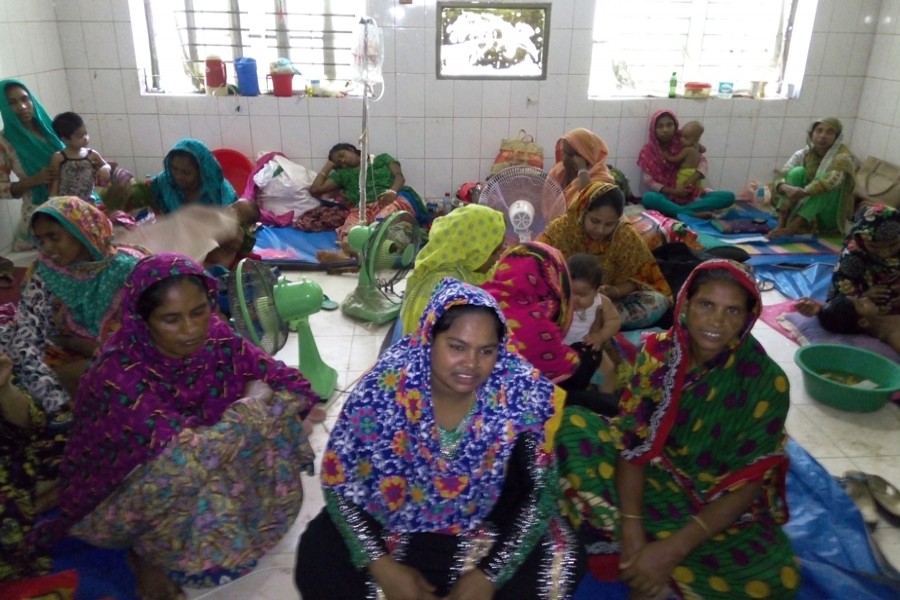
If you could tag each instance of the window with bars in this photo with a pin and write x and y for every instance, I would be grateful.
(639, 44)
(177, 36)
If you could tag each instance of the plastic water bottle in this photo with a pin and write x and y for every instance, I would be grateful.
(673, 84)
(447, 205)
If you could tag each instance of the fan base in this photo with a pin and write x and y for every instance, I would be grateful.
(322, 379)
(369, 304)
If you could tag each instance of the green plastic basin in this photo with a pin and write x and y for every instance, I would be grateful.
(816, 359)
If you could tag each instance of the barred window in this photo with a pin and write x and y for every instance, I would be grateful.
(175, 38)
(639, 44)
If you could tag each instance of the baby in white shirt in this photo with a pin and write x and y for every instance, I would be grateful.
(596, 318)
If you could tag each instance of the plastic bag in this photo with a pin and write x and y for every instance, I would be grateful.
(284, 187)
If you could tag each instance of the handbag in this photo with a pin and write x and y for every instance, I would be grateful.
(518, 151)
(878, 182)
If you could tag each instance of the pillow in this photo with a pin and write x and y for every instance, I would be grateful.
(808, 330)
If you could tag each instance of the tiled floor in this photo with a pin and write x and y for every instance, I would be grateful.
(839, 440)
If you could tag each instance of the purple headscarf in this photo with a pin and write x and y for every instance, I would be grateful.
(134, 399)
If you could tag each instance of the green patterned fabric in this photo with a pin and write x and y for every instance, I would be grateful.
(700, 433)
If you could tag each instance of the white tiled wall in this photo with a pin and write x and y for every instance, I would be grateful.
(447, 132)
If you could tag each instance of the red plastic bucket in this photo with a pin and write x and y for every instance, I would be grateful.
(282, 83)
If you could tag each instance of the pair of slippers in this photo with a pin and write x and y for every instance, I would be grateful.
(871, 494)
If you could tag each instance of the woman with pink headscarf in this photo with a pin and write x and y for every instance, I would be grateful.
(580, 161)
(664, 193)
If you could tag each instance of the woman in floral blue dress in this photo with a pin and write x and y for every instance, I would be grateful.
(439, 475)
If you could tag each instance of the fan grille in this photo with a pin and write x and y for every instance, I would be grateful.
(256, 317)
(529, 184)
(391, 250)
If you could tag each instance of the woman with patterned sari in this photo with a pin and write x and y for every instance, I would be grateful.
(531, 284)
(869, 265)
(69, 299)
(686, 484)
(439, 477)
(580, 160)
(187, 444)
(464, 245)
(31, 443)
(664, 192)
(814, 190)
(633, 281)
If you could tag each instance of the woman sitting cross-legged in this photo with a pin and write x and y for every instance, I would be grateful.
(686, 484)
(439, 476)
(667, 193)
(814, 190)
(187, 442)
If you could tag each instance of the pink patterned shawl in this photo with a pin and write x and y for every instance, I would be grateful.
(531, 285)
(651, 160)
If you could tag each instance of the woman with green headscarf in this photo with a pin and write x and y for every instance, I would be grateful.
(69, 299)
(464, 245)
(814, 190)
(26, 145)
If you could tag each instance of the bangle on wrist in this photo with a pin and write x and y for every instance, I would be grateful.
(702, 524)
(629, 516)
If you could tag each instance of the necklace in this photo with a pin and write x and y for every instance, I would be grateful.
(451, 438)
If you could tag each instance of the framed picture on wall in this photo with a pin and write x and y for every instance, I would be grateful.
(492, 40)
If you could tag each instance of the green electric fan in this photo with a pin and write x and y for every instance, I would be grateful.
(387, 250)
(264, 306)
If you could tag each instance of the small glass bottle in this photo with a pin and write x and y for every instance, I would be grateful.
(673, 84)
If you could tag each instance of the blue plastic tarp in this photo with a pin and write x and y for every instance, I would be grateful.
(812, 281)
(291, 247)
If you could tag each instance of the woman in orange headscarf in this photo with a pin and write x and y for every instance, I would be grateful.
(580, 160)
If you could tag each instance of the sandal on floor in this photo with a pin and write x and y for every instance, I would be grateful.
(764, 285)
(855, 483)
(328, 303)
(886, 496)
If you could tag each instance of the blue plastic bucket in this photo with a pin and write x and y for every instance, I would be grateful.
(247, 79)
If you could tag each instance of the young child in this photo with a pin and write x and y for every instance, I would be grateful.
(688, 158)
(229, 253)
(848, 315)
(595, 322)
(78, 167)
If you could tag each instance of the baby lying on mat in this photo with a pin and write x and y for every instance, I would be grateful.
(849, 315)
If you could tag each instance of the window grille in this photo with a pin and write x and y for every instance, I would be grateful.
(317, 36)
(638, 44)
